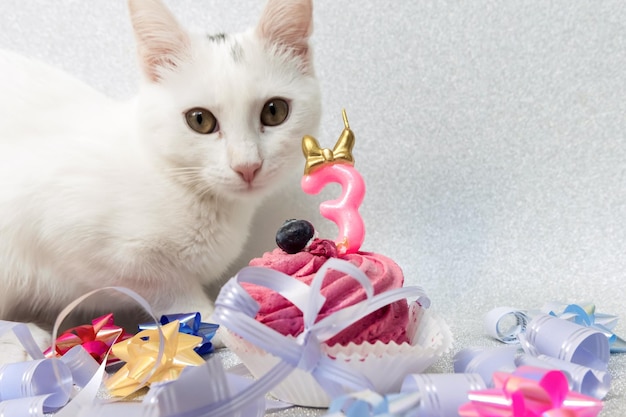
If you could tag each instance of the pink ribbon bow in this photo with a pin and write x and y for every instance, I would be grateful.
(530, 392)
(96, 338)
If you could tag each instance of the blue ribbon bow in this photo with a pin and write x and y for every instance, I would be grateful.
(190, 323)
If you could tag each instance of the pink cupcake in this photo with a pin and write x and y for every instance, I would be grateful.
(399, 339)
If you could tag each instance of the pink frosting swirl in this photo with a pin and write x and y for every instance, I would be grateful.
(387, 324)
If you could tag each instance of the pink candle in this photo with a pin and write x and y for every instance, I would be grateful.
(324, 166)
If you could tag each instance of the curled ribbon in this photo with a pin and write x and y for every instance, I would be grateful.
(50, 380)
(580, 351)
(529, 392)
(565, 340)
(585, 315)
(189, 323)
(421, 395)
(236, 309)
(205, 390)
(588, 381)
(441, 394)
(571, 338)
(96, 338)
(140, 353)
(486, 361)
(41, 386)
(506, 323)
(44, 385)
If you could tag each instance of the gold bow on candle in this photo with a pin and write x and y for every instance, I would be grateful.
(140, 354)
(341, 153)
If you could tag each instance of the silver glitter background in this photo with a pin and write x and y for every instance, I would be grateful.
(491, 136)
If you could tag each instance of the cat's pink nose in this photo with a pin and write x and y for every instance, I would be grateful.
(248, 171)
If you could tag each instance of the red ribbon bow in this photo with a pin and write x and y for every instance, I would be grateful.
(530, 392)
(96, 339)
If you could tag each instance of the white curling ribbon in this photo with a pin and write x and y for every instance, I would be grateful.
(235, 309)
(81, 364)
(422, 395)
(204, 390)
(441, 395)
(47, 380)
(200, 391)
(33, 388)
(585, 315)
(485, 361)
(46, 384)
(565, 340)
(24, 336)
(506, 323)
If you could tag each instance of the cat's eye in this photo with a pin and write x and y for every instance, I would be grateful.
(274, 112)
(201, 120)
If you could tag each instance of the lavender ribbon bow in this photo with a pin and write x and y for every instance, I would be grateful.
(236, 309)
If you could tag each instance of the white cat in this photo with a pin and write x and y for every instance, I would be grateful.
(155, 194)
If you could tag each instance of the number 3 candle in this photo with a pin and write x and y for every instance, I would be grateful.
(324, 166)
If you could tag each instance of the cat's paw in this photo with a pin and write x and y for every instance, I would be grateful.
(11, 350)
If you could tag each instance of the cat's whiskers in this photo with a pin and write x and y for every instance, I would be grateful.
(195, 179)
(188, 176)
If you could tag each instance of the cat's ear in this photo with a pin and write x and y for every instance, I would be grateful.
(288, 24)
(162, 44)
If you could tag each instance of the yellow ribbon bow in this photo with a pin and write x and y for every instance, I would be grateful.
(140, 354)
(317, 156)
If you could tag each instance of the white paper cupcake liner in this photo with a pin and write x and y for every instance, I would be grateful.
(385, 365)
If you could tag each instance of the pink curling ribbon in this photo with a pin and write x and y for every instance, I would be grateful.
(96, 338)
(529, 392)
(324, 166)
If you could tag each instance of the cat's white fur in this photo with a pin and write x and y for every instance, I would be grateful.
(95, 192)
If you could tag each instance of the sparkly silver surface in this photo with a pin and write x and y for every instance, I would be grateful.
(491, 136)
